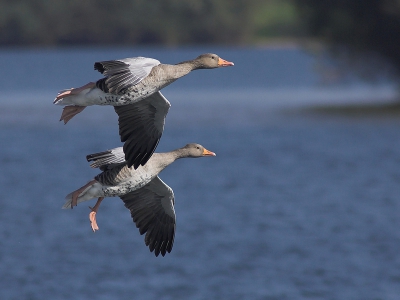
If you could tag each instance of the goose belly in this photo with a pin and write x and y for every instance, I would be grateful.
(131, 95)
(129, 185)
(96, 96)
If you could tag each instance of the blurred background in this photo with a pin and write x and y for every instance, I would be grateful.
(301, 201)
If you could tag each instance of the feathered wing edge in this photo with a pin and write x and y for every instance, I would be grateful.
(141, 126)
(124, 73)
(107, 159)
(152, 209)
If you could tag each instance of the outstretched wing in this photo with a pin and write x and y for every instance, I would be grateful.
(152, 209)
(140, 126)
(124, 73)
(107, 159)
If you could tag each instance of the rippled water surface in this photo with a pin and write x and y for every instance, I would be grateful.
(294, 206)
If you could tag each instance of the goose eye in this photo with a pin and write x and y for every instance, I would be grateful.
(213, 57)
(197, 147)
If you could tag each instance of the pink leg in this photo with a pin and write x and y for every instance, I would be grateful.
(70, 111)
(74, 91)
(76, 193)
(92, 215)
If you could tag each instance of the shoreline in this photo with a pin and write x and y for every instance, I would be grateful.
(355, 110)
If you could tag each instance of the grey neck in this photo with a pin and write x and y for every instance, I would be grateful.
(167, 158)
(190, 65)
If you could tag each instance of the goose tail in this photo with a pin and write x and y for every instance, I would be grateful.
(93, 189)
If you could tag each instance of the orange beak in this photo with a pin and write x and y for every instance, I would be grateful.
(208, 153)
(224, 63)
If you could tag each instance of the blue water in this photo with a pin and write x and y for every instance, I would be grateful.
(294, 206)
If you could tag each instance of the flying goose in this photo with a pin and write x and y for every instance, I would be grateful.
(149, 199)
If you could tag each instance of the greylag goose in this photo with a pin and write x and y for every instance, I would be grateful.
(126, 82)
(149, 199)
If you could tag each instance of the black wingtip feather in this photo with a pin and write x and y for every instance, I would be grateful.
(99, 67)
(139, 157)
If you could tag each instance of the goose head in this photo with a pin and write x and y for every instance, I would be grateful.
(211, 61)
(195, 150)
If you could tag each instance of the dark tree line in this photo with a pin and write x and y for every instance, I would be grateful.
(363, 26)
(122, 22)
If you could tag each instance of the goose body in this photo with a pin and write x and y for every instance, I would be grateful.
(130, 80)
(126, 81)
(149, 199)
(119, 179)
(126, 84)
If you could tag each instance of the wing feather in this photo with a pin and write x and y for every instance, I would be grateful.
(107, 159)
(152, 209)
(124, 73)
(141, 126)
